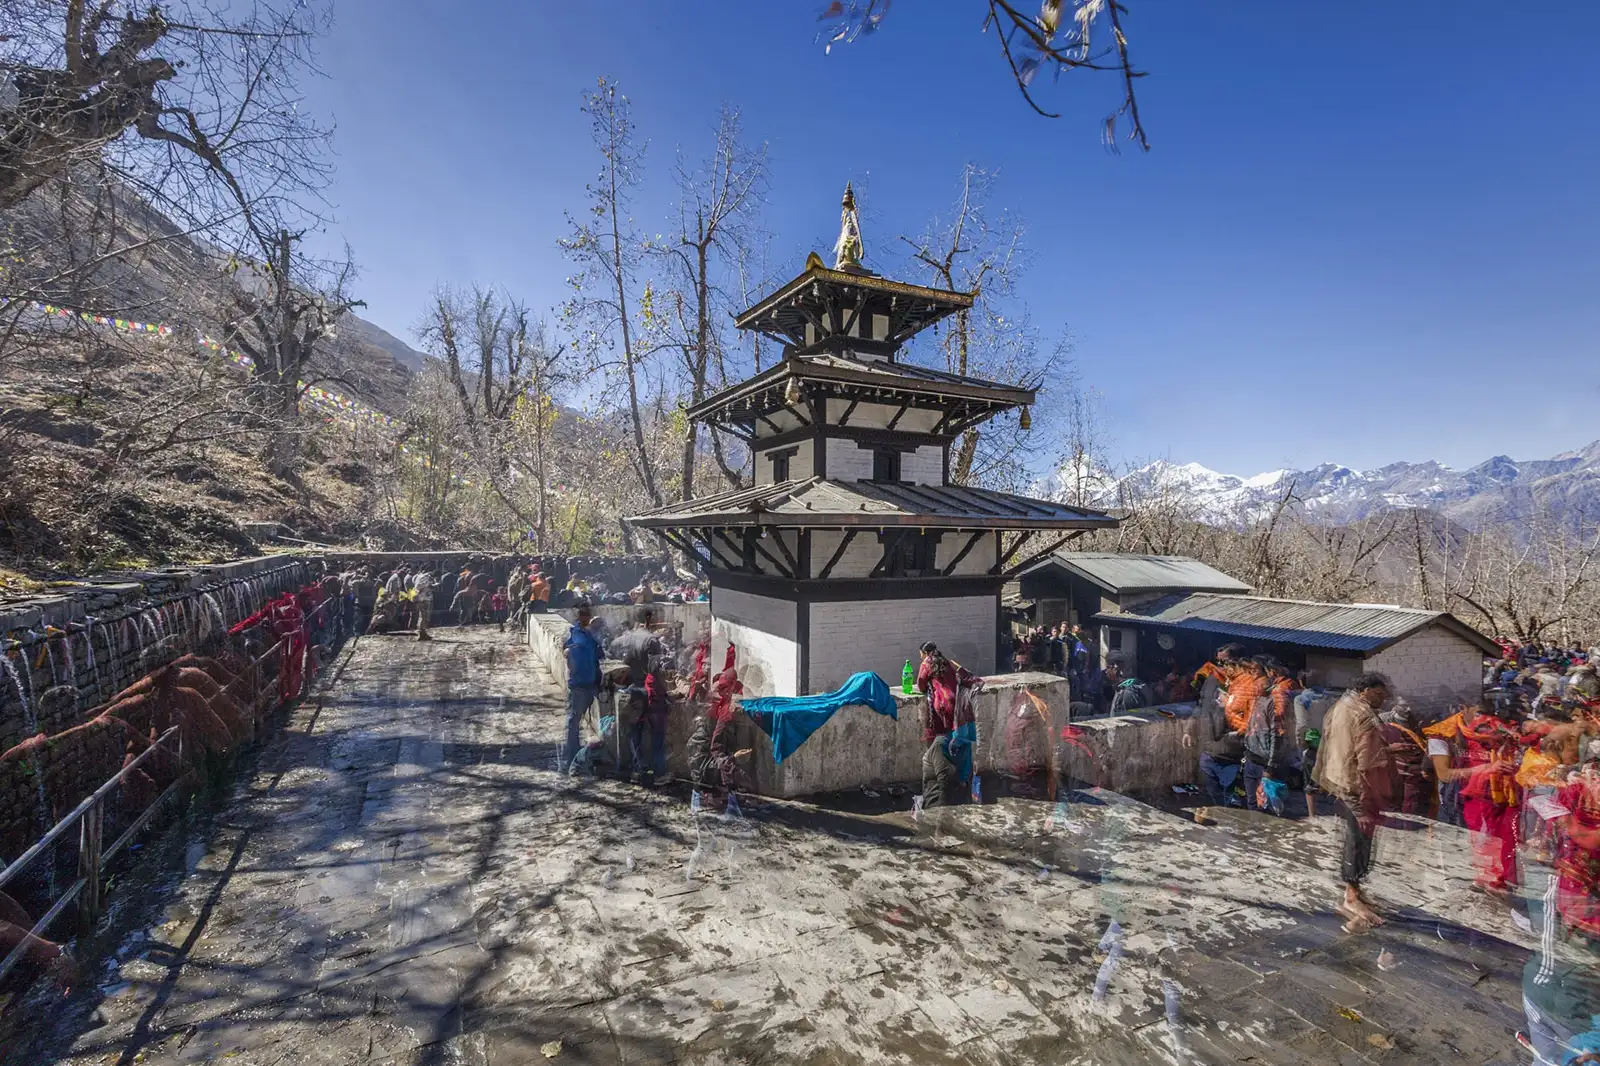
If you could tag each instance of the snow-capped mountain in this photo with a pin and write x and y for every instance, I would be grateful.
(1500, 487)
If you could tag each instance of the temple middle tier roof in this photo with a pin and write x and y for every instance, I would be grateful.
(965, 400)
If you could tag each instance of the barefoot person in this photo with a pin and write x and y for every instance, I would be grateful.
(1353, 766)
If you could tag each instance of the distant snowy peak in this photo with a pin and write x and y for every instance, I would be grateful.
(1500, 486)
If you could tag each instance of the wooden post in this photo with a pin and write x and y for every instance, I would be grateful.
(89, 843)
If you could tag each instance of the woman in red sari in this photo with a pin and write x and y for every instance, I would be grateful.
(1578, 854)
(1481, 748)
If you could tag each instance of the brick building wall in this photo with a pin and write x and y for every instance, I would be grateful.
(1433, 668)
(858, 559)
(880, 635)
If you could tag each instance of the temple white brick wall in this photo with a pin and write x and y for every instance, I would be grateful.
(879, 415)
(1433, 668)
(963, 627)
(977, 561)
(763, 630)
(858, 559)
(848, 461)
(925, 466)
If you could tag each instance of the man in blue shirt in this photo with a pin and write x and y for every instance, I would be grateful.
(583, 679)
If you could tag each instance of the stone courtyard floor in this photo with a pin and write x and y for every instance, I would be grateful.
(402, 880)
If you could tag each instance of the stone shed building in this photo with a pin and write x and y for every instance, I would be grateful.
(1432, 658)
(1074, 587)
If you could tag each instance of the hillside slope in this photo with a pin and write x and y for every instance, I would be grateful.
(158, 464)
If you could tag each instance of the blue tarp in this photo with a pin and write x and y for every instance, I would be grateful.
(790, 720)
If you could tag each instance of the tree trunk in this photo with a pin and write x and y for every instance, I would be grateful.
(962, 469)
(646, 472)
(701, 360)
(539, 464)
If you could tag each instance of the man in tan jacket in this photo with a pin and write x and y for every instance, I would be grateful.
(1353, 765)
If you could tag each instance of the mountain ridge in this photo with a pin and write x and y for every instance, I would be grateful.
(1499, 487)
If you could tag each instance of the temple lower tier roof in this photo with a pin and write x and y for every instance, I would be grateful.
(818, 501)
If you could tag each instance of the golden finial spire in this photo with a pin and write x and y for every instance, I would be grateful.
(848, 252)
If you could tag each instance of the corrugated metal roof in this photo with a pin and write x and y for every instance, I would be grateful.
(874, 373)
(899, 370)
(1118, 573)
(1362, 628)
(819, 502)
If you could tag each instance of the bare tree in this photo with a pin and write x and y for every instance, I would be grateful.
(503, 372)
(184, 121)
(167, 99)
(281, 311)
(973, 251)
(715, 200)
(1064, 35)
(1083, 475)
(606, 250)
(1534, 577)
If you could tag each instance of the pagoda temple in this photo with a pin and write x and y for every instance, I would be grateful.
(852, 547)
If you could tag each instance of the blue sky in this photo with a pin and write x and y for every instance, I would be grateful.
(1356, 239)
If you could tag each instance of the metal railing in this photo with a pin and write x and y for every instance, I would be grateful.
(92, 858)
(89, 816)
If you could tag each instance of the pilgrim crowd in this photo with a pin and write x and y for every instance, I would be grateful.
(1518, 768)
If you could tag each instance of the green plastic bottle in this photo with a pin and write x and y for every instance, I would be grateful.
(908, 679)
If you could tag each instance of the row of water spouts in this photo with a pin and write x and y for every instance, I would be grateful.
(166, 623)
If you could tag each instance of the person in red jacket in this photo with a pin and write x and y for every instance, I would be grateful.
(948, 729)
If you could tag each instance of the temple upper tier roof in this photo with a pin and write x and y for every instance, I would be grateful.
(837, 304)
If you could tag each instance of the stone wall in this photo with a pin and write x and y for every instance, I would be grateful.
(546, 632)
(694, 618)
(67, 653)
(71, 653)
(619, 572)
(859, 748)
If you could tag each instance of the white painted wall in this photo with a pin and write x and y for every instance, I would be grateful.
(978, 560)
(877, 416)
(848, 461)
(800, 465)
(925, 466)
(858, 559)
(1433, 668)
(784, 419)
(547, 633)
(1127, 653)
(763, 629)
(880, 635)
(865, 551)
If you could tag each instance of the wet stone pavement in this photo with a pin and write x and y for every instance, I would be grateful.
(403, 880)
